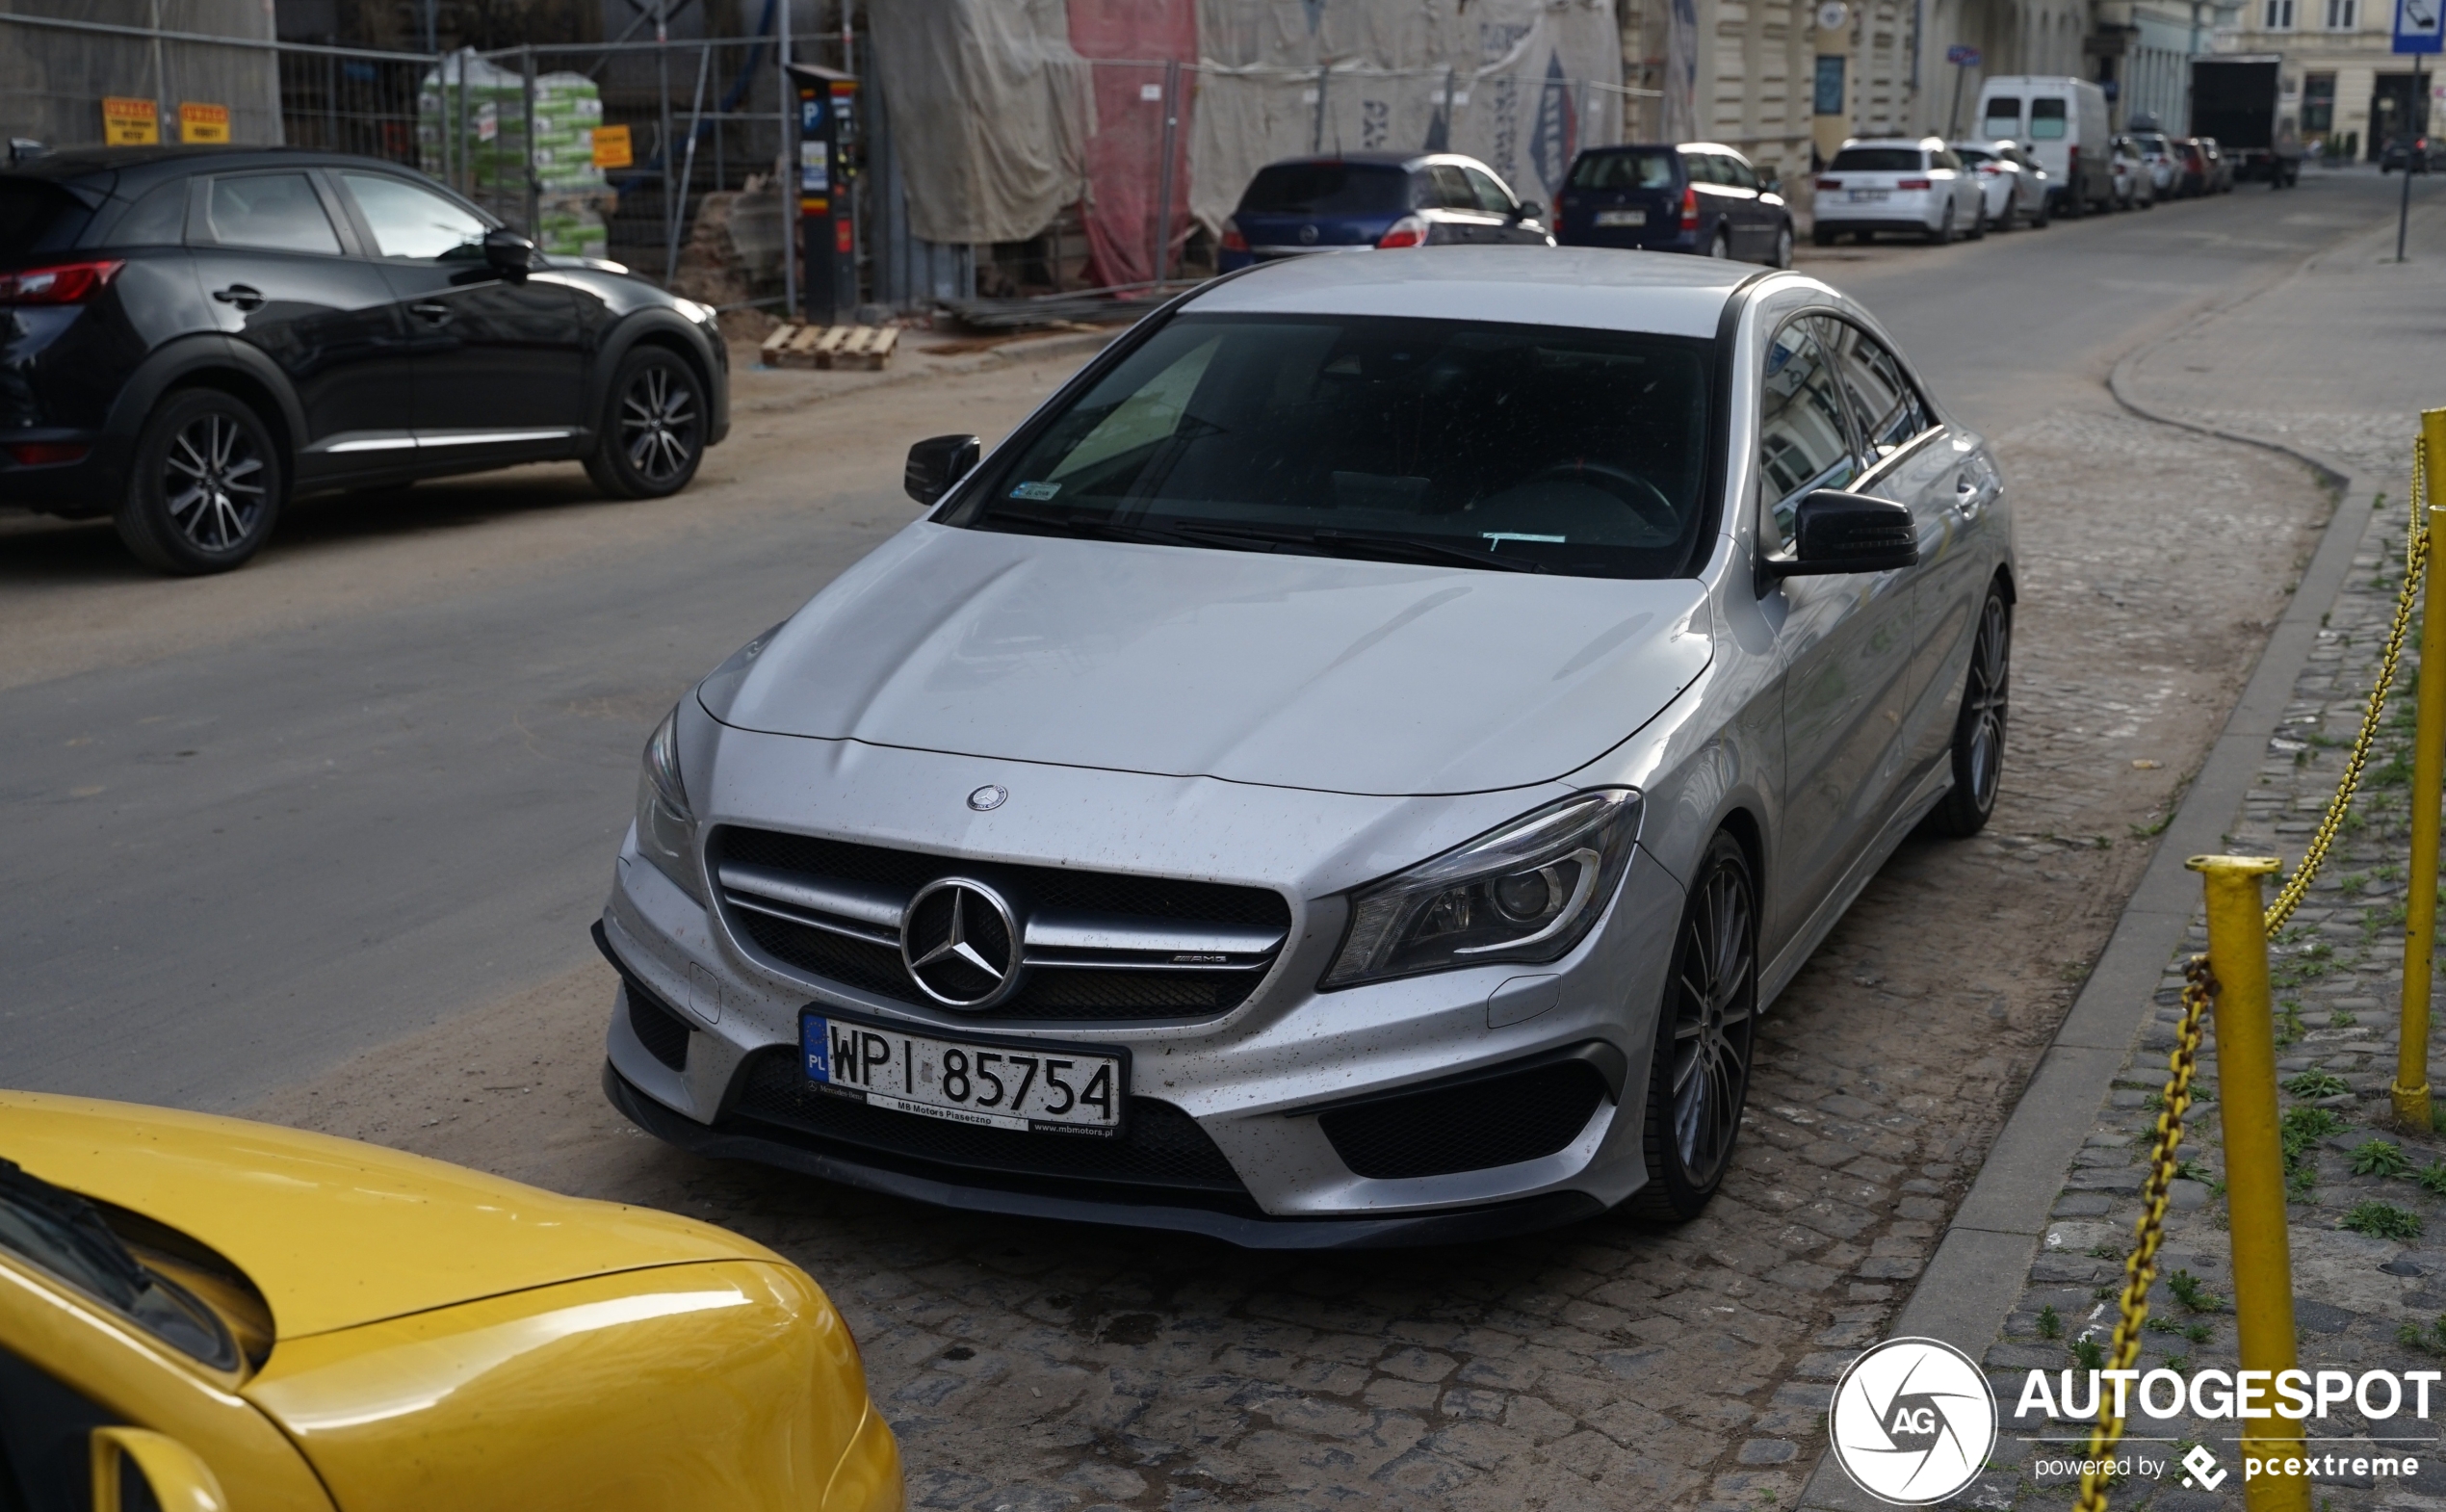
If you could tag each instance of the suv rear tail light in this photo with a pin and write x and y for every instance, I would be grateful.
(1233, 240)
(1690, 208)
(46, 453)
(1915, 183)
(1830, 183)
(67, 283)
(1408, 231)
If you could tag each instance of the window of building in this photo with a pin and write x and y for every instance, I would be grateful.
(2276, 15)
(2318, 104)
(2343, 15)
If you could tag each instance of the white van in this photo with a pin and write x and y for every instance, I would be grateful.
(2061, 123)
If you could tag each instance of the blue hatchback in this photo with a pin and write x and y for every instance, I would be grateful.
(1694, 196)
(1355, 201)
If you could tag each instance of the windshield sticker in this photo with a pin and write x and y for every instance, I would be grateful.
(1036, 491)
(1496, 536)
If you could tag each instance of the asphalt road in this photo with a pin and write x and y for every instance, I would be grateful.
(260, 823)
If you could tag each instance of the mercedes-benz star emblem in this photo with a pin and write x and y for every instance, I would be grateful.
(960, 943)
(988, 798)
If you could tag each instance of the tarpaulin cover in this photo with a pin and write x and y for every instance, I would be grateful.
(1000, 123)
(1129, 43)
(989, 114)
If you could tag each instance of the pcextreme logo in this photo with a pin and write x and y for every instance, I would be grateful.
(1912, 1421)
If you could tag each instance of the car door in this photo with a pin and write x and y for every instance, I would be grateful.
(1738, 182)
(1843, 642)
(1502, 209)
(499, 360)
(269, 251)
(1915, 459)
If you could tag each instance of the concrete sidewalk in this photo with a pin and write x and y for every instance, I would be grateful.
(2333, 364)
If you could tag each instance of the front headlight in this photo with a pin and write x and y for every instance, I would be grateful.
(666, 825)
(1526, 892)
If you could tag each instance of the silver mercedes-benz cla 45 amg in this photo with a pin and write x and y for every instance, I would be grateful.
(1350, 769)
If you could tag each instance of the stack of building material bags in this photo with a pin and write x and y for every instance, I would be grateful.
(471, 132)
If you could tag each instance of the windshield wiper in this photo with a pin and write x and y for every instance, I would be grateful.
(1360, 543)
(67, 1236)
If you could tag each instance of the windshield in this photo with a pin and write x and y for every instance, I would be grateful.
(1972, 154)
(59, 1232)
(1876, 160)
(1504, 447)
(1327, 189)
(1624, 171)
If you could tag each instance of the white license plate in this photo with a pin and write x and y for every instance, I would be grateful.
(1622, 218)
(1868, 195)
(997, 1087)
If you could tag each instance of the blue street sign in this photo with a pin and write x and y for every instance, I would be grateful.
(1968, 57)
(2417, 25)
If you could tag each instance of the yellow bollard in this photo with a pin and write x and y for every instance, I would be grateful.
(2429, 765)
(2254, 1160)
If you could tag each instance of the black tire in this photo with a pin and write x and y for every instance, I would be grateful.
(2047, 212)
(1942, 236)
(1821, 236)
(1781, 256)
(1978, 731)
(1979, 220)
(1698, 1072)
(652, 434)
(206, 486)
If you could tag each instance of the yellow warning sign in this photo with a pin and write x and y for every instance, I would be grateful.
(130, 123)
(612, 147)
(203, 122)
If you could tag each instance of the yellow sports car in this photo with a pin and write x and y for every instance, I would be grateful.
(229, 1315)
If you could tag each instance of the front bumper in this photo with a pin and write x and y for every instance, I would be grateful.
(1247, 1088)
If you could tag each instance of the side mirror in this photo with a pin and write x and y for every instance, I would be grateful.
(508, 253)
(936, 463)
(1531, 210)
(126, 1458)
(1834, 533)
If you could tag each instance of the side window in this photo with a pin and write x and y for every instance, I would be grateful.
(1888, 408)
(2046, 120)
(1452, 188)
(1949, 159)
(1804, 440)
(158, 220)
(1700, 167)
(1737, 173)
(1492, 197)
(278, 211)
(412, 221)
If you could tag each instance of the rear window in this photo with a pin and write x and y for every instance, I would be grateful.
(37, 217)
(1876, 160)
(1624, 171)
(2046, 120)
(2004, 116)
(1972, 154)
(1328, 188)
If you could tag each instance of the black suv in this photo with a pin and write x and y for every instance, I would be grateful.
(191, 336)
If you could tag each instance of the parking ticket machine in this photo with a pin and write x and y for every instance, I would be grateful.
(830, 154)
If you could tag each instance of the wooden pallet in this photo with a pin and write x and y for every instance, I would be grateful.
(803, 345)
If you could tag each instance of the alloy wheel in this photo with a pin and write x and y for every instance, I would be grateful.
(1986, 700)
(659, 424)
(213, 483)
(1713, 1001)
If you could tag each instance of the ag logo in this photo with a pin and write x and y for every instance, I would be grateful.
(1912, 1421)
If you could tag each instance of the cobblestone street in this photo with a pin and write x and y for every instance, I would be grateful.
(1038, 1367)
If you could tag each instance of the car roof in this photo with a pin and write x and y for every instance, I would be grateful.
(1921, 143)
(144, 164)
(1664, 294)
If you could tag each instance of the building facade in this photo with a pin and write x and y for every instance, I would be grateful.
(2341, 82)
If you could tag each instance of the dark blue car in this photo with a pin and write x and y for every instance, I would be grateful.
(1354, 201)
(1694, 196)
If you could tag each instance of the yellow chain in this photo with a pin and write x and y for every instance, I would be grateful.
(2140, 1270)
(2199, 990)
(2416, 560)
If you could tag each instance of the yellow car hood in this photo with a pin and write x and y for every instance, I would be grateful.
(336, 1233)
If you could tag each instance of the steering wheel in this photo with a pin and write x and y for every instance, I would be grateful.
(1645, 499)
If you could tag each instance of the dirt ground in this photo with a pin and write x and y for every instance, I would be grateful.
(1034, 1366)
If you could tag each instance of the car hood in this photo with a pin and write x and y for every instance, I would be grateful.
(1296, 671)
(333, 1233)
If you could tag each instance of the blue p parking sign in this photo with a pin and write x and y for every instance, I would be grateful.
(2417, 25)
